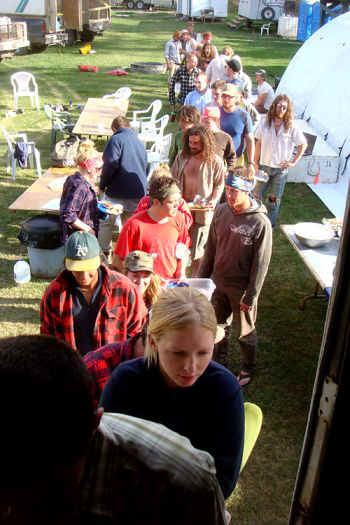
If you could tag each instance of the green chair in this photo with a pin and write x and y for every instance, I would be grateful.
(253, 421)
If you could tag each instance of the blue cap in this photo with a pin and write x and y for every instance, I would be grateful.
(239, 183)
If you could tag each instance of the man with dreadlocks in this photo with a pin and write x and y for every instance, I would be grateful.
(198, 170)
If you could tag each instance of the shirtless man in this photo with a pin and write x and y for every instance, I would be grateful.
(198, 170)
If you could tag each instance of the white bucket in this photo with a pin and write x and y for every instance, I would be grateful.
(46, 263)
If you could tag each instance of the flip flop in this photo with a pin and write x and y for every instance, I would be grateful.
(244, 378)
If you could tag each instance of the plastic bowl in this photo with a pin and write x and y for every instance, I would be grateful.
(206, 286)
(313, 234)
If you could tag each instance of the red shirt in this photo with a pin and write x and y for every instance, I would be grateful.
(121, 312)
(103, 361)
(141, 232)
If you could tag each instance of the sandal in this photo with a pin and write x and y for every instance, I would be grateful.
(244, 378)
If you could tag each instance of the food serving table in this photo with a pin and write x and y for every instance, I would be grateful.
(98, 115)
(45, 193)
(320, 261)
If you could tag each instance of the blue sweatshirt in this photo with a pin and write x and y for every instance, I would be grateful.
(210, 413)
(124, 172)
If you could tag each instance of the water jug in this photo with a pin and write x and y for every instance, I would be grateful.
(21, 272)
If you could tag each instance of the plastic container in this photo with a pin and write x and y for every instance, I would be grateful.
(21, 272)
(42, 236)
(46, 263)
(206, 286)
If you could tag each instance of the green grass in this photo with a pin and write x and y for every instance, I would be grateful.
(289, 339)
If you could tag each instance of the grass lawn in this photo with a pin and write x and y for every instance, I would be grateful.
(289, 339)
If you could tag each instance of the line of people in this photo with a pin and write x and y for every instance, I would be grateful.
(160, 367)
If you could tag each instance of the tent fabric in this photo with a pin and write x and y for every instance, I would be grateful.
(317, 80)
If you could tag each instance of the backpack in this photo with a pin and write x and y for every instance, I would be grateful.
(65, 152)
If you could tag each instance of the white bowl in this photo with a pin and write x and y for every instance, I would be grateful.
(313, 234)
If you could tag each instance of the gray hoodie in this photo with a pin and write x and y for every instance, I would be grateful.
(238, 250)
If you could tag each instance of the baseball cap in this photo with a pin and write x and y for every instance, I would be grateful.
(236, 181)
(82, 252)
(138, 261)
(231, 90)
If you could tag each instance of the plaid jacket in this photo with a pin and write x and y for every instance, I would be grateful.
(140, 472)
(186, 81)
(121, 313)
(103, 361)
(78, 201)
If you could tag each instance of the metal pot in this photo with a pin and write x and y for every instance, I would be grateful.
(313, 234)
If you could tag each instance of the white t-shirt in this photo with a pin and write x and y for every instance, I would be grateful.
(277, 147)
(266, 88)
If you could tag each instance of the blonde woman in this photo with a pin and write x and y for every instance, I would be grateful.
(78, 204)
(177, 383)
(139, 269)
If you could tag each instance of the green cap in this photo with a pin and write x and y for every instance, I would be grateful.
(138, 261)
(82, 252)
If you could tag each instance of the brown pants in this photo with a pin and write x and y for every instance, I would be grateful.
(226, 303)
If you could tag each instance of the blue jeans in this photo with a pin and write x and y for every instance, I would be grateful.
(275, 185)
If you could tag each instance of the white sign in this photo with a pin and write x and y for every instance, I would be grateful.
(22, 7)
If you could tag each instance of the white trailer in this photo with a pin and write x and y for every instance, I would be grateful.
(13, 36)
(268, 10)
(56, 21)
(195, 8)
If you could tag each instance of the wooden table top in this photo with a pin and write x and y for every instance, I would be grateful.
(98, 115)
(45, 193)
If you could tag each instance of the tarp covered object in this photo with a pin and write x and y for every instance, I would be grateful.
(317, 80)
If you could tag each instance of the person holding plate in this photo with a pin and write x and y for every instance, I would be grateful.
(78, 204)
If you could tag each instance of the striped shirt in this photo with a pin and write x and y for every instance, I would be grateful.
(141, 472)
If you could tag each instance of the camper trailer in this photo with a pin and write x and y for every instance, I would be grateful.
(195, 8)
(13, 36)
(52, 22)
(268, 10)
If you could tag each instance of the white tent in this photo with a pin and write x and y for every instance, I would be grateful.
(318, 81)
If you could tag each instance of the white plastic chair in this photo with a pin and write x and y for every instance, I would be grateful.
(159, 152)
(123, 93)
(33, 152)
(150, 114)
(153, 131)
(266, 28)
(24, 85)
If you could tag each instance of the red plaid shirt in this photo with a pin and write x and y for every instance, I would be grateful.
(121, 313)
(103, 361)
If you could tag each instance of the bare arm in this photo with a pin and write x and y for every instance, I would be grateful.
(291, 163)
(80, 225)
(249, 140)
(257, 153)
